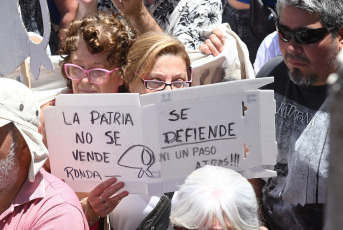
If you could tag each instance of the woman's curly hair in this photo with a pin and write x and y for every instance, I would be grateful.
(102, 32)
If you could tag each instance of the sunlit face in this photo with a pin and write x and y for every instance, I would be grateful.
(167, 68)
(83, 58)
(309, 64)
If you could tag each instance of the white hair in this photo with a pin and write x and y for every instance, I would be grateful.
(211, 193)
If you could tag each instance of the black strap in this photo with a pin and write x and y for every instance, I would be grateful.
(158, 218)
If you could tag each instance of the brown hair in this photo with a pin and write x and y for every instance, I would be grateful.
(102, 32)
(144, 52)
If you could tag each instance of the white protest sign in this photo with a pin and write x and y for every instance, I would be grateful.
(15, 43)
(226, 124)
(153, 141)
(90, 140)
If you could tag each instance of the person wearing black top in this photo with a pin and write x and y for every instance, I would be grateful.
(310, 37)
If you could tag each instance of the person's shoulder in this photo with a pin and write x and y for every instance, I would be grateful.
(58, 191)
(58, 205)
(270, 38)
(274, 66)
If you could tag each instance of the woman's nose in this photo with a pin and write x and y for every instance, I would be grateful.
(168, 86)
(85, 78)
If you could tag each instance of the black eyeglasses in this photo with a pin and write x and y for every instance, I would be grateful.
(305, 36)
(161, 85)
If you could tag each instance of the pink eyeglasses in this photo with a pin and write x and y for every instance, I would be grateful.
(97, 76)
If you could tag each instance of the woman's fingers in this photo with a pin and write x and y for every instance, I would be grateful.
(98, 190)
(115, 200)
(111, 190)
(104, 208)
(214, 44)
(101, 198)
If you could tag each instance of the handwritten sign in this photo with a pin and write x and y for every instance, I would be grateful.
(97, 141)
(153, 141)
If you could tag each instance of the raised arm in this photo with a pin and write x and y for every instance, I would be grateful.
(214, 44)
(86, 7)
(67, 9)
(195, 20)
(137, 14)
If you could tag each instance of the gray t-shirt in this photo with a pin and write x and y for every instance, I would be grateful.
(294, 199)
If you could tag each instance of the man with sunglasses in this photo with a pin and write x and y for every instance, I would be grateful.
(310, 37)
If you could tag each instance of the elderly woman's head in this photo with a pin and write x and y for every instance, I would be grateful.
(213, 197)
(95, 53)
(155, 59)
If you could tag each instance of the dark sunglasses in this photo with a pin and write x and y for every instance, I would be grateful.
(305, 36)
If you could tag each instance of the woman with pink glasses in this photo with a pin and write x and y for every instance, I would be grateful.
(94, 56)
(97, 47)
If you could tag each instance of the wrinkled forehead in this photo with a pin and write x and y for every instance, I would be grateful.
(82, 55)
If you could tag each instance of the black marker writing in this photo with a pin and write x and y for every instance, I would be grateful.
(138, 151)
(234, 159)
(183, 153)
(164, 156)
(79, 173)
(110, 118)
(113, 138)
(82, 138)
(75, 119)
(197, 151)
(90, 156)
(215, 162)
(199, 133)
(182, 116)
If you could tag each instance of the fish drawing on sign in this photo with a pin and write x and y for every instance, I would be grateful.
(146, 156)
(16, 45)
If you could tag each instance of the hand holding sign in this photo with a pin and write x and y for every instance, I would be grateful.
(165, 140)
(101, 199)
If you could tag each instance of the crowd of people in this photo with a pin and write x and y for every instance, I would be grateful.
(143, 47)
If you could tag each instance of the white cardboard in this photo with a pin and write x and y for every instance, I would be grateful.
(209, 120)
(15, 43)
(113, 132)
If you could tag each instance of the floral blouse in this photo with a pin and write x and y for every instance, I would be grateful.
(185, 19)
